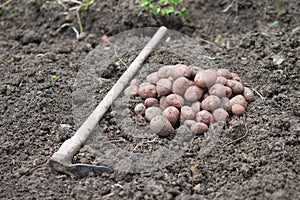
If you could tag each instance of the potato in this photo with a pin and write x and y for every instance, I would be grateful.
(180, 85)
(131, 91)
(180, 70)
(196, 106)
(218, 90)
(175, 100)
(161, 126)
(163, 87)
(224, 73)
(221, 80)
(238, 109)
(193, 93)
(236, 77)
(172, 114)
(152, 78)
(165, 71)
(194, 71)
(147, 90)
(205, 78)
(238, 99)
(187, 112)
(140, 109)
(225, 104)
(211, 103)
(228, 91)
(150, 102)
(135, 82)
(220, 114)
(163, 102)
(152, 112)
(205, 95)
(199, 128)
(189, 122)
(248, 94)
(205, 117)
(237, 87)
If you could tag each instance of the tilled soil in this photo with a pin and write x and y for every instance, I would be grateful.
(257, 155)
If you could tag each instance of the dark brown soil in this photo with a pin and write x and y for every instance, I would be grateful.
(257, 155)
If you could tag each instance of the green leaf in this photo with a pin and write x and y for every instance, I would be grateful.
(275, 24)
(53, 79)
(170, 10)
(163, 11)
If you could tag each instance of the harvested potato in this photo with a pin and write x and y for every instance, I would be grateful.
(221, 80)
(193, 93)
(140, 109)
(172, 114)
(228, 91)
(238, 109)
(180, 70)
(199, 128)
(238, 99)
(224, 73)
(237, 87)
(152, 112)
(163, 102)
(225, 104)
(152, 78)
(236, 77)
(194, 71)
(161, 126)
(165, 71)
(180, 85)
(205, 95)
(248, 94)
(163, 87)
(131, 91)
(196, 106)
(175, 100)
(218, 90)
(205, 78)
(147, 90)
(220, 114)
(187, 112)
(150, 102)
(189, 122)
(135, 82)
(205, 117)
(211, 103)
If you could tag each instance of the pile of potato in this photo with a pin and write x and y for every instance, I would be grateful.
(181, 94)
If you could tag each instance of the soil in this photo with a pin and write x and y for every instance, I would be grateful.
(257, 155)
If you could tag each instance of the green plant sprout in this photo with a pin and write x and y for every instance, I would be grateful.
(53, 79)
(165, 7)
(275, 24)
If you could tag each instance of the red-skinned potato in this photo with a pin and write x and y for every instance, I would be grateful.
(163, 87)
(147, 90)
(152, 112)
(194, 70)
(175, 100)
(152, 78)
(228, 91)
(140, 109)
(163, 102)
(205, 78)
(218, 90)
(187, 112)
(193, 93)
(189, 122)
(211, 103)
(238, 109)
(161, 126)
(248, 94)
(165, 71)
(238, 99)
(196, 106)
(225, 104)
(131, 91)
(180, 70)
(199, 128)
(150, 102)
(172, 114)
(236, 77)
(237, 87)
(220, 114)
(135, 82)
(205, 117)
(224, 73)
(221, 80)
(180, 85)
